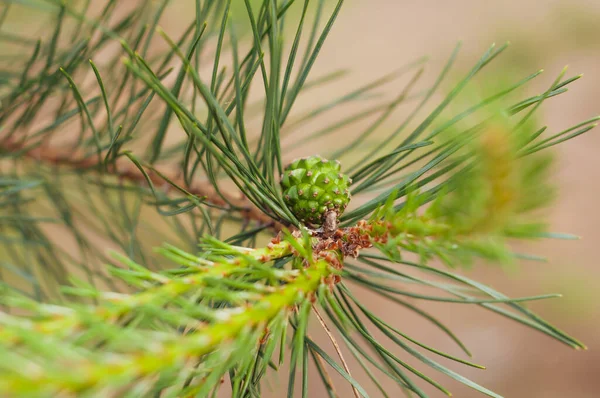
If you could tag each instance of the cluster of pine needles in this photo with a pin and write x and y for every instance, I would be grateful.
(115, 134)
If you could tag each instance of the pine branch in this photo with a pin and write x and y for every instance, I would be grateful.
(78, 161)
(227, 274)
(165, 350)
(455, 188)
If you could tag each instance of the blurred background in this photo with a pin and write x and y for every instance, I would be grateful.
(374, 37)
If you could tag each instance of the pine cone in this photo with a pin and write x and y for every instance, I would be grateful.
(313, 186)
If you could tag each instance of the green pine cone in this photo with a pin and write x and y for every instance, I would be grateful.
(313, 186)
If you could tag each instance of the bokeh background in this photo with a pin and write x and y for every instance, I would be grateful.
(372, 38)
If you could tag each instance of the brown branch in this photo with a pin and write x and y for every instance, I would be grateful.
(321, 365)
(127, 171)
(336, 346)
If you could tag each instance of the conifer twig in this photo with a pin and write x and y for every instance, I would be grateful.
(126, 171)
(167, 350)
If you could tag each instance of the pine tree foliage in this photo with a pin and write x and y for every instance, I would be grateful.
(116, 135)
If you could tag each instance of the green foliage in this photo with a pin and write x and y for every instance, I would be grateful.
(115, 134)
